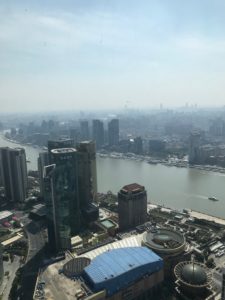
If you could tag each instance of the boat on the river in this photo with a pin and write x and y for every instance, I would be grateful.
(213, 199)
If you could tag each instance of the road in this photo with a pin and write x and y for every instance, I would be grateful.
(35, 237)
(7, 282)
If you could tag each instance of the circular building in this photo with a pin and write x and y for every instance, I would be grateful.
(193, 278)
(75, 266)
(164, 241)
(167, 243)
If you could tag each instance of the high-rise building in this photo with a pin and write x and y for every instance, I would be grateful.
(14, 173)
(194, 147)
(62, 198)
(74, 136)
(57, 144)
(113, 132)
(98, 133)
(42, 162)
(138, 145)
(87, 179)
(132, 206)
(87, 172)
(84, 130)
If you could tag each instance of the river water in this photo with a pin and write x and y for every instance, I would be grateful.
(170, 186)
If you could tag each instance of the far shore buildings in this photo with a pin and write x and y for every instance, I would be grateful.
(113, 132)
(98, 133)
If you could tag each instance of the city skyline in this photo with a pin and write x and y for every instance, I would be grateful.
(111, 54)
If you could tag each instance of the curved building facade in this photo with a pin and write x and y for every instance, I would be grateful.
(193, 279)
(164, 241)
(168, 244)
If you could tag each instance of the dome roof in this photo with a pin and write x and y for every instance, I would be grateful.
(162, 238)
(194, 274)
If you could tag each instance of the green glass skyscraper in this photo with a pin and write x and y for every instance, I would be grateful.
(62, 198)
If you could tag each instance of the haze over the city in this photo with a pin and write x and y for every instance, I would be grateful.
(110, 54)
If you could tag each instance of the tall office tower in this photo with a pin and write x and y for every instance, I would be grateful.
(132, 206)
(57, 144)
(74, 136)
(87, 180)
(138, 145)
(194, 147)
(42, 162)
(113, 132)
(14, 173)
(98, 133)
(84, 130)
(62, 198)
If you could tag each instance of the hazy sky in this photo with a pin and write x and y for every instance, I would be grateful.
(106, 53)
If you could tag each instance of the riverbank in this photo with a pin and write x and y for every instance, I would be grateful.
(192, 213)
(23, 144)
(173, 162)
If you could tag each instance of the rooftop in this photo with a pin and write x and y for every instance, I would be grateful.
(133, 188)
(164, 240)
(63, 150)
(108, 224)
(192, 273)
(133, 241)
(5, 214)
(115, 263)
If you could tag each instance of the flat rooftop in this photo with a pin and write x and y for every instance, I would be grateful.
(63, 150)
(108, 224)
(12, 240)
(133, 188)
(5, 214)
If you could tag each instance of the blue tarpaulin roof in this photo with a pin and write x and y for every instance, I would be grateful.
(119, 267)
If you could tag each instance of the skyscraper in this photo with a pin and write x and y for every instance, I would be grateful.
(74, 136)
(138, 145)
(98, 133)
(84, 130)
(14, 173)
(57, 144)
(113, 132)
(62, 198)
(87, 172)
(132, 206)
(194, 147)
(42, 162)
(87, 180)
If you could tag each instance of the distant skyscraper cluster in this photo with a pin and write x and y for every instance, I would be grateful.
(14, 173)
(102, 136)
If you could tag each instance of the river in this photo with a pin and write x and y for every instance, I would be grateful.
(170, 186)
